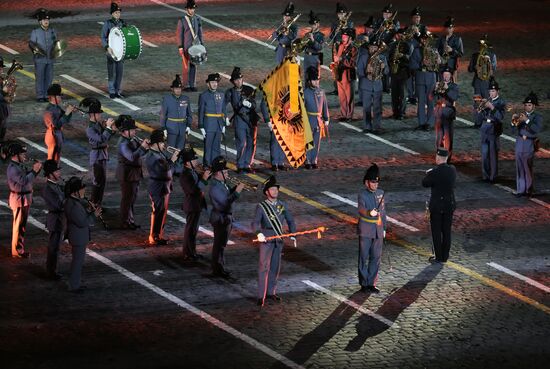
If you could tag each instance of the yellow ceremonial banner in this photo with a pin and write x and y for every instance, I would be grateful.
(285, 100)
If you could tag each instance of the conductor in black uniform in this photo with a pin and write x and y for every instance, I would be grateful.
(442, 181)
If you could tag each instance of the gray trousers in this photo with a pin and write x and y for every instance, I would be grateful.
(425, 105)
(221, 236)
(79, 253)
(370, 253)
(159, 206)
(176, 134)
(44, 77)
(411, 93)
(277, 154)
(114, 72)
(99, 179)
(190, 234)
(129, 192)
(489, 156)
(372, 100)
(20, 216)
(524, 171)
(311, 155)
(244, 141)
(212, 147)
(54, 242)
(269, 267)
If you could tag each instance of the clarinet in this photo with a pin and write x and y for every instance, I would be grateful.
(94, 208)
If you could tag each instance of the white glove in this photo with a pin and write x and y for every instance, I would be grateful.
(326, 123)
(227, 122)
(261, 237)
(270, 126)
(293, 239)
(384, 233)
(373, 213)
(223, 130)
(247, 104)
(187, 130)
(203, 132)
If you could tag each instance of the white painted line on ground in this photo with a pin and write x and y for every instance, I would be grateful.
(511, 190)
(532, 282)
(201, 229)
(354, 305)
(354, 204)
(150, 44)
(43, 149)
(9, 49)
(378, 138)
(30, 219)
(176, 300)
(98, 91)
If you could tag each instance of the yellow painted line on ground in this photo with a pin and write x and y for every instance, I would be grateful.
(349, 219)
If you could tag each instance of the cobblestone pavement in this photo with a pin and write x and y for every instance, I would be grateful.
(145, 307)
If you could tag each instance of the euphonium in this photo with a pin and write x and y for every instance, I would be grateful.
(430, 57)
(440, 88)
(484, 67)
(376, 64)
(9, 84)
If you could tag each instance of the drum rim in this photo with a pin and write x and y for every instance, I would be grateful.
(123, 44)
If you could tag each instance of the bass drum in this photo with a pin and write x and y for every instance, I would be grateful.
(125, 43)
(197, 54)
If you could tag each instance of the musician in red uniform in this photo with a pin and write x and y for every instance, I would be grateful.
(345, 57)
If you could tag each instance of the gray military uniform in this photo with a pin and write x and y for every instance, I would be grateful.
(212, 113)
(43, 64)
(54, 198)
(129, 173)
(160, 186)
(78, 234)
(98, 138)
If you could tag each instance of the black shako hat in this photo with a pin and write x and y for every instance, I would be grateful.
(415, 11)
(176, 82)
(372, 174)
(213, 77)
(188, 154)
(157, 136)
(191, 4)
(313, 18)
(270, 182)
(115, 8)
(236, 74)
(218, 164)
(125, 122)
(74, 184)
(289, 10)
(54, 90)
(93, 105)
(532, 98)
(50, 166)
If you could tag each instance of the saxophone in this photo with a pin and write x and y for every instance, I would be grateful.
(396, 55)
(8, 82)
(484, 67)
(376, 64)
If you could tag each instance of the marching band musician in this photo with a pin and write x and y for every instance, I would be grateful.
(317, 113)
(441, 180)
(446, 92)
(490, 117)
(285, 35)
(268, 221)
(370, 84)
(529, 124)
(176, 115)
(54, 120)
(336, 30)
(450, 47)
(20, 183)
(244, 119)
(4, 106)
(194, 202)
(313, 53)
(54, 197)
(189, 33)
(414, 28)
(364, 37)
(160, 170)
(424, 69)
(221, 216)
(129, 171)
(386, 28)
(212, 118)
(276, 154)
(371, 228)
(115, 69)
(400, 52)
(41, 43)
(99, 133)
(345, 55)
(78, 216)
(483, 64)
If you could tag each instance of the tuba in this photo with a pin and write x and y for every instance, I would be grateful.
(9, 84)
(376, 64)
(430, 57)
(484, 67)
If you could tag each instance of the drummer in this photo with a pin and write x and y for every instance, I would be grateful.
(114, 68)
(189, 34)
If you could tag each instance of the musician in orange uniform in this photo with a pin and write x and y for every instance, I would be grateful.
(345, 57)
(189, 33)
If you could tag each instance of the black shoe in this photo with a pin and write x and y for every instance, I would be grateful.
(55, 276)
(158, 242)
(378, 131)
(282, 167)
(432, 259)
(260, 302)
(314, 166)
(342, 119)
(365, 289)
(367, 130)
(373, 289)
(275, 298)
(397, 117)
(130, 226)
(112, 96)
(308, 166)
(120, 96)
(519, 194)
(274, 168)
(223, 274)
(22, 255)
(78, 290)
(411, 100)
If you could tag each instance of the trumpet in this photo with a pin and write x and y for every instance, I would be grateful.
(515, 118)
(440, 88)
(479, 103)
(75, 108)
(248, 186)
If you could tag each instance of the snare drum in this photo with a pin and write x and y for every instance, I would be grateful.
(125, 43)
(197, 54)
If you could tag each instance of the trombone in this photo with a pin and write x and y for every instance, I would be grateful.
(248, 186)
(283, 28)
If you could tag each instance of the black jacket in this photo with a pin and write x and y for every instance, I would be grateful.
(442, 181)
(193, 186)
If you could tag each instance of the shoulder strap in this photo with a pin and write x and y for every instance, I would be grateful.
(188, 20)
(272, 217)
